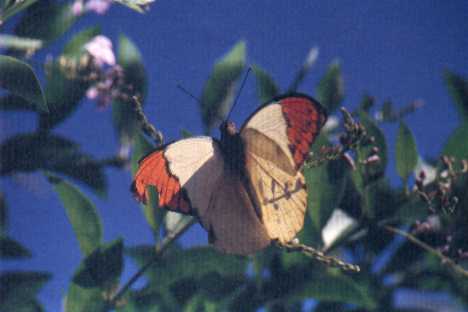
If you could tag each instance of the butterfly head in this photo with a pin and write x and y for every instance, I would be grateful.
(227, 128)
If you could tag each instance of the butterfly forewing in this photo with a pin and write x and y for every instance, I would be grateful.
(184, 173)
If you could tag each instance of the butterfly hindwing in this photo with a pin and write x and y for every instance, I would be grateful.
(277, 139)
(231, 220)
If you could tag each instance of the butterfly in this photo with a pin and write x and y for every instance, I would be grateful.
(246, 188)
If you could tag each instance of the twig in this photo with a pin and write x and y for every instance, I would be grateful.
(444, 259)
(146, 126)
(160, 248)
(319, 256)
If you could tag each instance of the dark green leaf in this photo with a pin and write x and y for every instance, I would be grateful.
(102, 267)
(63, 94)
(81, 213)
(366, 103)
(17, 287)
(75, 47)
(30, 152)
(11, 249)
(3, 215)
(15, 102)
(458, 88)
(46, 21)
(177, 264)
(330, 90)
(218, 92)
(406, 152)
(80, 299)
(266, 87)
(18, 78)
(123, 112)
(328, 184)
(456, 145)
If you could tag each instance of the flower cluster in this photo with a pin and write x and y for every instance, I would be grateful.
(98, 67)
(355, 136)
(439, 195)
(80, 7)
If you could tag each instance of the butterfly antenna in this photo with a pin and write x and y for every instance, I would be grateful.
(239, 93)
(179, 86)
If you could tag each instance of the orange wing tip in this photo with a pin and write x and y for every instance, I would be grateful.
(139, 192)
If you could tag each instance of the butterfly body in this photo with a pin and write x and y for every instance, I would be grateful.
(246, 188)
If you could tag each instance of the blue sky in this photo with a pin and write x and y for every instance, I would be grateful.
(393, 50)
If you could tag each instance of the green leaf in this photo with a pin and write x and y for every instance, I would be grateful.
(17, 287)
(406, 152)
(185, 134)
(19, 43)
(102, 267)
(13, 8)
(123, 112)
(177, 264)
(46, 21)
(330, 90)
(371, 172)
(81, 299)
(11, 249)
(366, 174)
(138, 5)
(75, 47)
(328, 185)
(218, 92)
(19, 78)
(30, 152)
(458, 88)
(145, 300)
(63, 95)
(456, 145)
(81, 213)
(266, 87)
(305, 68)
(335, 288)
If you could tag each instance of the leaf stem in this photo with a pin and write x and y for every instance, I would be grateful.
(445, 260)
(160, 249)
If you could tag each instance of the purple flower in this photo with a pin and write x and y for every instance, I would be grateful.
(107, 89)
(98, 6)
(100, 47)
(77, 8)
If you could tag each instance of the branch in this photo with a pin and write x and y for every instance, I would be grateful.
(160, 249)
(146, 126)
(444, 259)
(319, 256)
